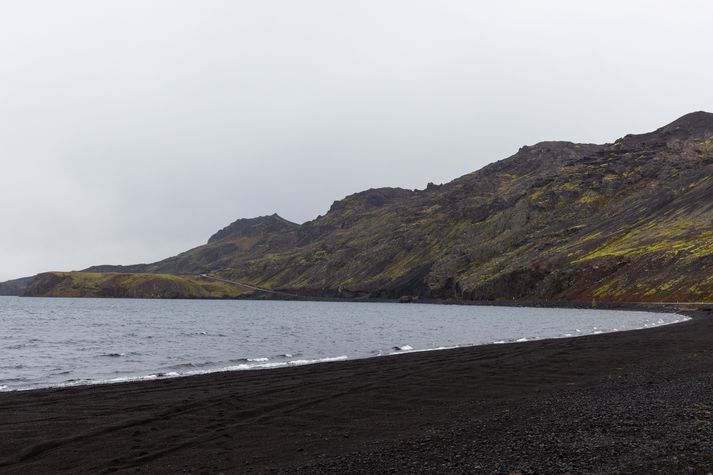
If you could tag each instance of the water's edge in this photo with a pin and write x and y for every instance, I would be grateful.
(288, 360)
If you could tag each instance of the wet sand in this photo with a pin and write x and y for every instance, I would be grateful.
(632, 402)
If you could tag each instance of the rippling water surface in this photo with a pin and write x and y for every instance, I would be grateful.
(60, 342)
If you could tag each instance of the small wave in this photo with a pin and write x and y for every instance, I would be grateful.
(321, 360)
(423, 350)
(61, 373)
(521, 340)
(19, 346)
(403, 348)
(112, 355)
(168, 374)
(180, 366)
(249, 360)
(246, 366)
(263, 364)
(193, 333)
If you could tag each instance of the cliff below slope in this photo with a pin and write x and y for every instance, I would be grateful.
(626, 221)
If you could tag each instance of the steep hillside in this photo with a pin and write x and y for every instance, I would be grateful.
(15, 287)
(631, 220)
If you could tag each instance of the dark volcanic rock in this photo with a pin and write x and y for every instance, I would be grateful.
(15, 287)
(696, 124)
(254, 227)
(373, 198)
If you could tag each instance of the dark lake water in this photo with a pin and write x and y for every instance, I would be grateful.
(64, 342)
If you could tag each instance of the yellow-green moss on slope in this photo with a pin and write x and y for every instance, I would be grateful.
(134, 285)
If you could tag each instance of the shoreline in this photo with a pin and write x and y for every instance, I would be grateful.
(629, 401)
(159, 375)
(575, 304)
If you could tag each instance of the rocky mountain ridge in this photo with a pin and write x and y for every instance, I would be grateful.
(626, 221)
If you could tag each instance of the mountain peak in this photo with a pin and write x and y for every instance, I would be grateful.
(253, 227)
(695, 123)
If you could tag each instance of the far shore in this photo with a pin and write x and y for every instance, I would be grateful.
(653, 306)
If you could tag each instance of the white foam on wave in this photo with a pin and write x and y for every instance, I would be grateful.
(257, 360)
(322, 360)
(240, 367)
(262, 364)
(403, 348)
(421, 350)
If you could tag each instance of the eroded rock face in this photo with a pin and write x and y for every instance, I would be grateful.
(631, 220)
(44, 284)
(15, 287)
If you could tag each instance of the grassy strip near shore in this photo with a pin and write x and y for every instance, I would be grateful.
(131, 285)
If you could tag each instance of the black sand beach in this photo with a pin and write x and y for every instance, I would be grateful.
(630, 402)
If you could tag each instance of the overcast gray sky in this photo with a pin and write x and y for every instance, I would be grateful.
(132, 130)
